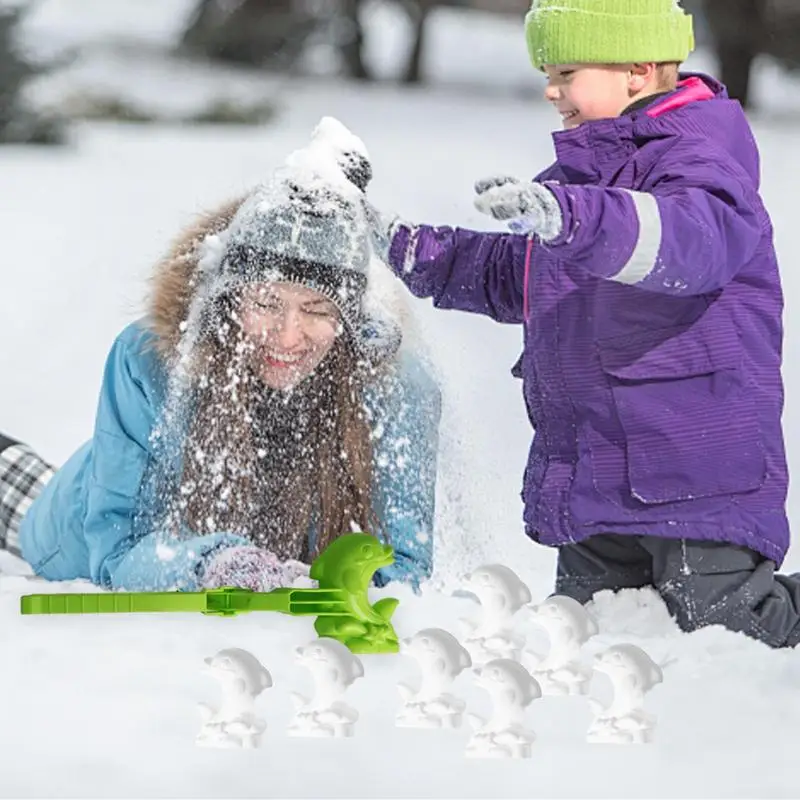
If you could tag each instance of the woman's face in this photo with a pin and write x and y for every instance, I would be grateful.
(292, 328)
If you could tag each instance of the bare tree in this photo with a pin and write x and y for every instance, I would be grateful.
(419, 12)
(351, 42)
(737, 27)
(782, 26)
(18, 122)
(251, 32)
(744, 29)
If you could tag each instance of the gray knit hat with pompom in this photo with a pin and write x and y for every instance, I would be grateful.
(310, 226)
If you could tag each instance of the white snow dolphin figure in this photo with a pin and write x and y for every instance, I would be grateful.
(501, 594)
(334, 669)
(242, 678)
(632, 674)
(499, 590)
(566, 619)
(568, 626)
(511, 689)
(441, 658)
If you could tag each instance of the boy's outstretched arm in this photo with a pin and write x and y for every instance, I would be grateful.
(695, 228)
(483, 273)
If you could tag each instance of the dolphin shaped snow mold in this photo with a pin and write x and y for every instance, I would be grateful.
(343, 571)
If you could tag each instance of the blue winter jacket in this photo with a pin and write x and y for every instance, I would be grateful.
(81, 526)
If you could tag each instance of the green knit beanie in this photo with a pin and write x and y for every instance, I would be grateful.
(607, 32)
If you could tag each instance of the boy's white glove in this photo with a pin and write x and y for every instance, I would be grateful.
(530, 207)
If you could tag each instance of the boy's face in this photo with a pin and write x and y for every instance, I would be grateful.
(586, 92)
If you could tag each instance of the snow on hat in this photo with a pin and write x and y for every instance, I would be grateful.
(309, 226)
(607, 32)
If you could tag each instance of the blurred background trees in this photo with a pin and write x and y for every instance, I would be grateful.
(275, 37)
(742, 30)
(19, 122)
(274, 32)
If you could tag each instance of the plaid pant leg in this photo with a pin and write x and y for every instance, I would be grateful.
(23, 475)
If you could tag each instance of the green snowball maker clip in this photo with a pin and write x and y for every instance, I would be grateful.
(343, 572)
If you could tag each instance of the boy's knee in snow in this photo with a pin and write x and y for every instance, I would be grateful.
(750, 607)
(580, 589)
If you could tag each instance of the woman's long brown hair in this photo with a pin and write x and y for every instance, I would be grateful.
(241, 477)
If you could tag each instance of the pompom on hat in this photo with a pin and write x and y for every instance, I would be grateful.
(608, 32)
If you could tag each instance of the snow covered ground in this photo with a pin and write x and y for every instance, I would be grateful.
(106, 706)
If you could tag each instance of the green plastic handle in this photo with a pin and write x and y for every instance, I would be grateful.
(110, 603)
(227, 602)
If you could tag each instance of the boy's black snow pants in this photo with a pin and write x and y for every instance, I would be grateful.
(23, 475)
(702, 583)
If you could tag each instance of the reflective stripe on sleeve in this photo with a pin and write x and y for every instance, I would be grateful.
(648, 244)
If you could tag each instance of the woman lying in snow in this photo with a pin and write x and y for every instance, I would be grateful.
(261, 409)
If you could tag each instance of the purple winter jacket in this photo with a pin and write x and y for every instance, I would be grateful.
(653, 331)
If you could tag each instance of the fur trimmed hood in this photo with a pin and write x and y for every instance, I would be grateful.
(174, 279)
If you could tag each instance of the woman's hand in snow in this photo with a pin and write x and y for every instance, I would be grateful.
(529, 207)
(251, 567)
